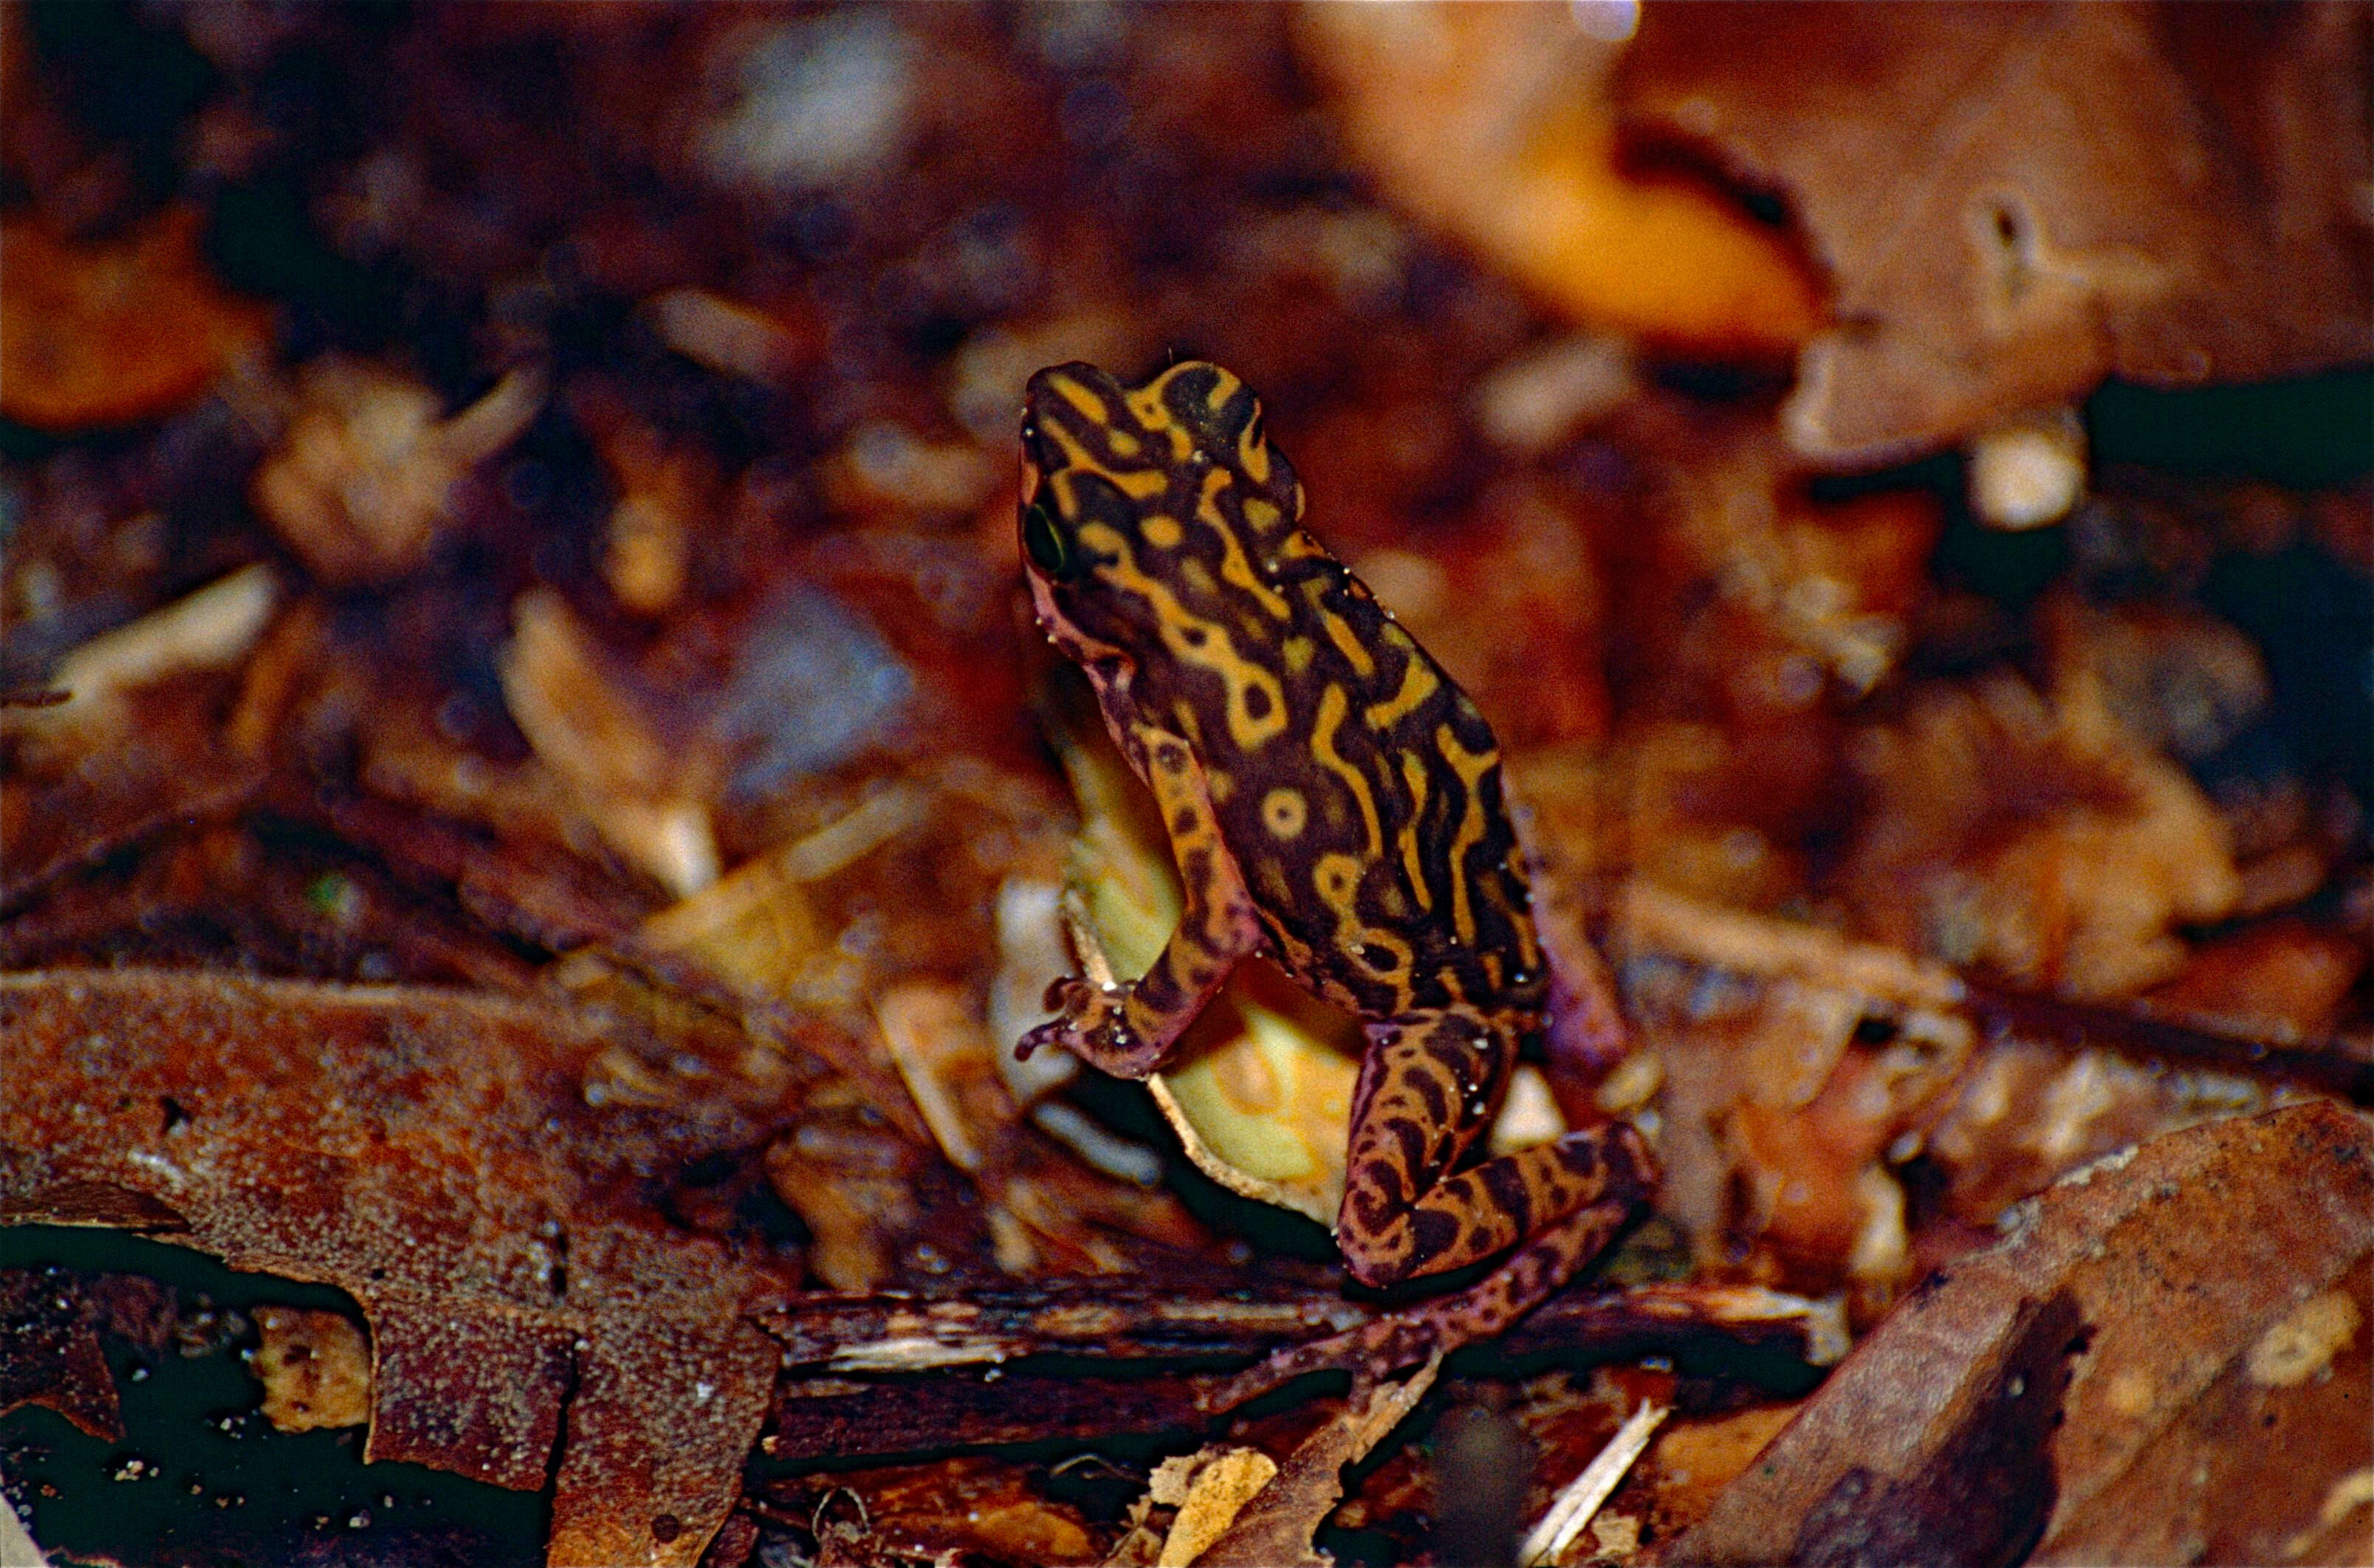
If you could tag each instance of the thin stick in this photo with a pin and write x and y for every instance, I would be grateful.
(1584, 1494)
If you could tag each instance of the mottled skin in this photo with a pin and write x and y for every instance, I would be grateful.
(1332, 801)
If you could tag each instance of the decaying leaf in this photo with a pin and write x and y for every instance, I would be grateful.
(1276, 1523)
(1209, 1488)
(1488, 123)
(127, 329)
(2013, 202)
(434, 1155)
(635, 785)
(2037, 837)
(2164, 1361)
(362, 483)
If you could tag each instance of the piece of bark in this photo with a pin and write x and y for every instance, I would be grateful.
(912, 1361)
(896, 1333)
(2098, 1388)
(2013, 202)
(434, 1155)
(838, 1418)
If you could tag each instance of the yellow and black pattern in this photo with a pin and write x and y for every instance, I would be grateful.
(1333, 798)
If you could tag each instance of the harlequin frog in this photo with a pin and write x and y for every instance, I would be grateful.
(1332, 801)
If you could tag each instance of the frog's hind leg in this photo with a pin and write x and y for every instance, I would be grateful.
(1483, 1311)
(1428, 1085)
(1128, 1029)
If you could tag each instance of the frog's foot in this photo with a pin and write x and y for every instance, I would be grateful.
(1092, 1023)
(1383, 1346)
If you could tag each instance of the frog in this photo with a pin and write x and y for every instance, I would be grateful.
(1334, 804)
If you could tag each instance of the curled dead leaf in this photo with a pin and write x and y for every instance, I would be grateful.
(106, 334)
(1277, 1523)
(1490, 124)
(630, 779)
(2084, 1388)
(2013, 202)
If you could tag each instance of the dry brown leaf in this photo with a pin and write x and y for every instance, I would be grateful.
(362, 483)
(1209, 1488)
(2035, 836)
(637, 785)
(2164, 1360)
(434, 1153)
(1488, 123)
(2014, 202)
(128, 329)
(1278, 1522)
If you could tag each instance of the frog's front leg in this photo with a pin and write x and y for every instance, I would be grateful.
(1128, 1029)
(1429, 1086)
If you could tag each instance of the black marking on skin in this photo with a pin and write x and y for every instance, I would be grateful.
(1432, 1233)
(1509, 1194)
(1438, 1107)
(1583, 1157)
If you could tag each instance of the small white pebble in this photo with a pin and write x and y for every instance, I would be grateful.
(2028, 471)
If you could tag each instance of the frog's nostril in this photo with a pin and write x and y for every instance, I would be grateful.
(1040, 456)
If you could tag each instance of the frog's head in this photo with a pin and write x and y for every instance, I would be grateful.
(1135, 502)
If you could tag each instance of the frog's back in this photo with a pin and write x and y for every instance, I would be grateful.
(1356, 787)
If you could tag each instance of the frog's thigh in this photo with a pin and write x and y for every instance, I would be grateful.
(1419, 1108)
(1219, 924)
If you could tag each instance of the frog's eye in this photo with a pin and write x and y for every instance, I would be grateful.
(1045, 543)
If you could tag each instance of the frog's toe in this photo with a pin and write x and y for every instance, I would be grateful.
(1089, 1022)
(1048, 1033)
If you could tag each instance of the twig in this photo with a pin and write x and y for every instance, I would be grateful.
(1657, 922)
(1584, 1494)
(2136, 1029)
(894, 1333)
